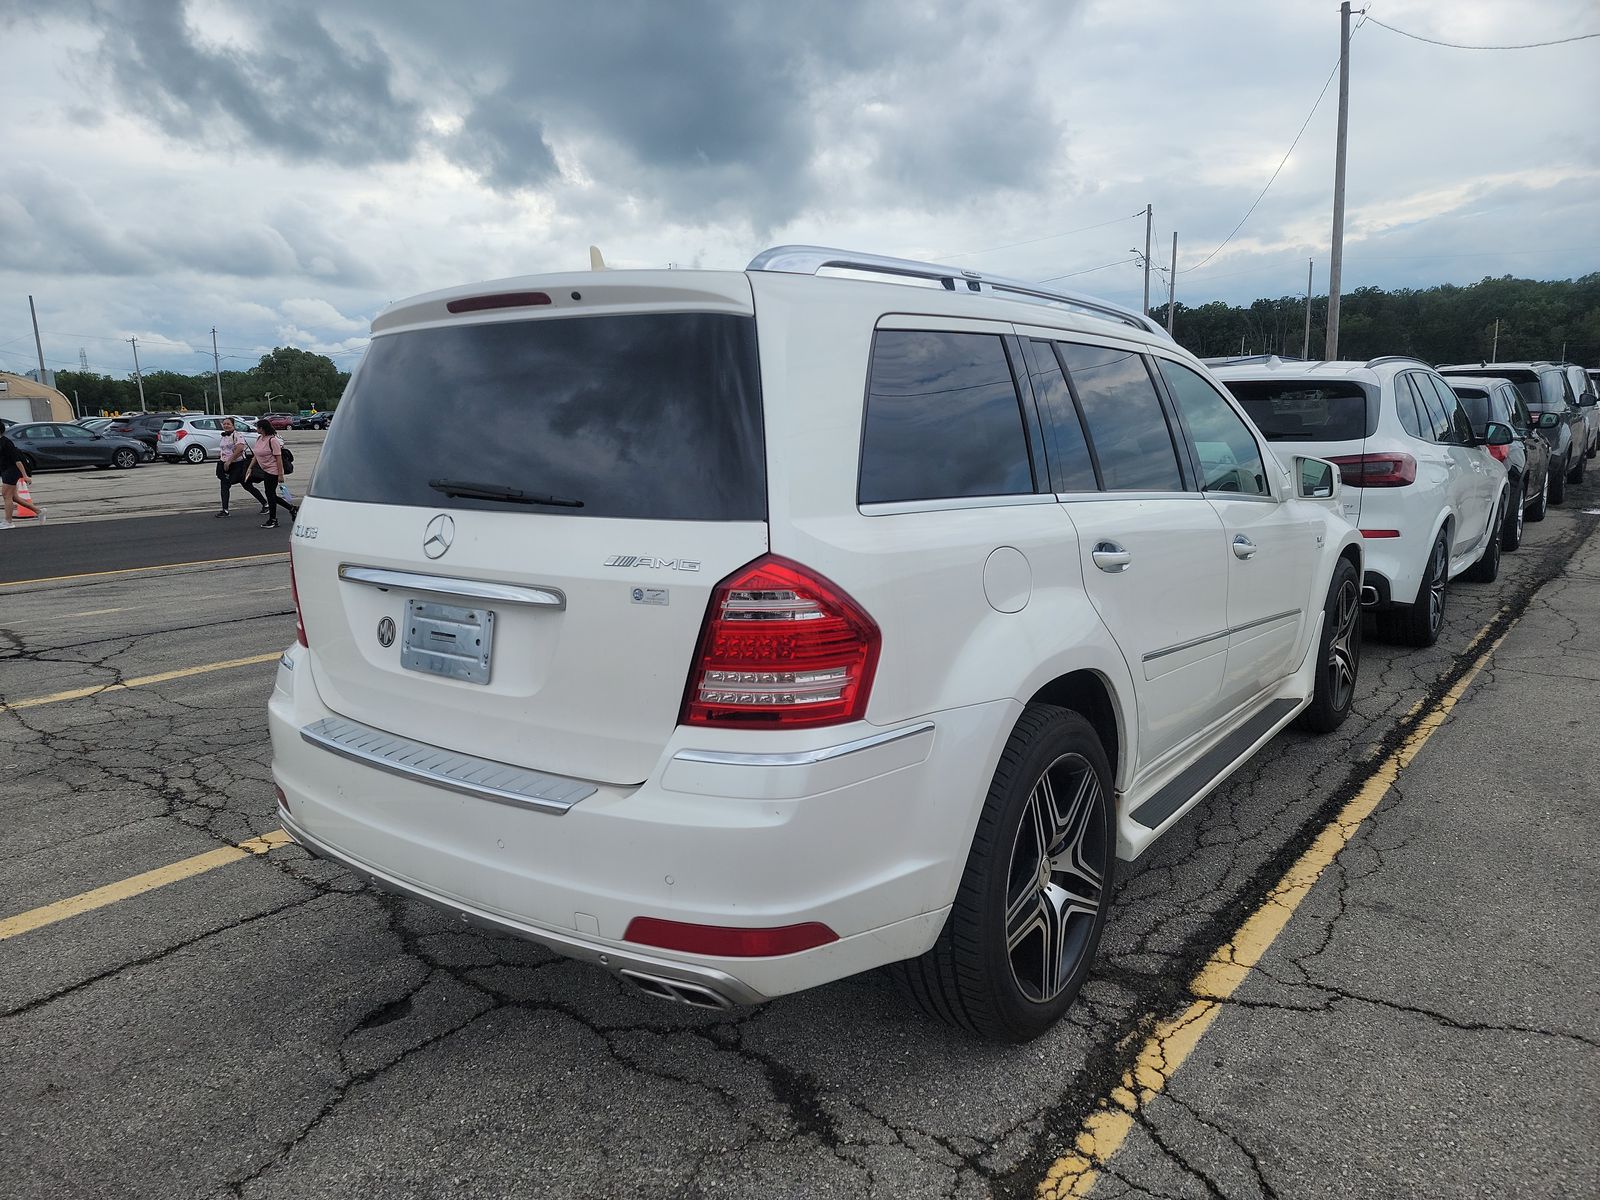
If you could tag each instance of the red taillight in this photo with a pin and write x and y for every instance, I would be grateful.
(1500, 452)
(781, 646)
(1376, 470)
(180, 435)
(725, 942)
(294, 591)
(1380, 533)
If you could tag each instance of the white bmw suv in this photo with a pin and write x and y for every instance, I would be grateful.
(794, 621)
(1424, 490)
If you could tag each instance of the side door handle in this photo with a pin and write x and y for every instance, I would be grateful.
(1111, 557)
(1243, 547)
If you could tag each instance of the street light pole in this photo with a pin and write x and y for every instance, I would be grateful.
(1305, 347)
(216, 367)
(1172, 282)
(138, 378)
(1336, 258)
(1148, 212)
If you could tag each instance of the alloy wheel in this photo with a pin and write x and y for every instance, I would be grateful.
(1054, 888)
(1438, 572)
(1345, 646)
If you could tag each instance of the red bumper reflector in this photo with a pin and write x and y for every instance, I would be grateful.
(723, 942)
(502, 300)
(1380, 533)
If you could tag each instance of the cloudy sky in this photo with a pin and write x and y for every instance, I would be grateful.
(281, 171)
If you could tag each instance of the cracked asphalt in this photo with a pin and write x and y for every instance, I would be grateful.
(1424, 1026)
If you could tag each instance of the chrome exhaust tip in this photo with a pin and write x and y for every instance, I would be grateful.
(678, 991)
(1369, 596)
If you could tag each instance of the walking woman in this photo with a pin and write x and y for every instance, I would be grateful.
(233, 461)
(268, 470)
(13, 470)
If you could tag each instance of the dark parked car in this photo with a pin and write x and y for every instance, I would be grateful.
(1527, 458)
(1549, 397)
(311, 420)
(144, 427)
(55, 445)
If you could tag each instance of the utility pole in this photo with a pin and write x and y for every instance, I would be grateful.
(138, 378)
(1305, 347)
(1494, 355)
(1148, 214)
(216, 367)
(37, 344)
(1336, 258)
(1172, 282)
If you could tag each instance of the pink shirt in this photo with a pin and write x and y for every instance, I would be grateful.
(232, 448)
(266, 451)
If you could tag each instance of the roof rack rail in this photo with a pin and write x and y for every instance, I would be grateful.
(809, 260)
(1388, 358)
(1239, 360)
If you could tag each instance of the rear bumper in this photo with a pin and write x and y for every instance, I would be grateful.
(740, 831)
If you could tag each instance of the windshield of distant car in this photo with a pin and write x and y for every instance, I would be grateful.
(1306, 410)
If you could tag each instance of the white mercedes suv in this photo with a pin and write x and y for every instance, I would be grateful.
(738, 631)
(1423, 488)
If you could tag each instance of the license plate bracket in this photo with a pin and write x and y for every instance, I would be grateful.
(449, 640)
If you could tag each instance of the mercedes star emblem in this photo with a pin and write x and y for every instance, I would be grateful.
(437, 537)
(386, 632)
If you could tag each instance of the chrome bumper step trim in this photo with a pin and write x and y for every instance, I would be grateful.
(463, 773)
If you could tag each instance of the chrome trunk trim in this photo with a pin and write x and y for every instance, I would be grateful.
(481, 590)
(463, 773)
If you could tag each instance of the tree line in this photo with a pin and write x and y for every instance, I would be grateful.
(1443, 324)
(285, 380)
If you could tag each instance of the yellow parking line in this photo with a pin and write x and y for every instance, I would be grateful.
(49, 914)
(140, 681)
(1172, 1040)
(200, 562)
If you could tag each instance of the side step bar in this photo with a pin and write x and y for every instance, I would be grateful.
(1213, 763)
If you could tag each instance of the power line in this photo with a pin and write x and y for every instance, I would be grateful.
(1091, 270)
(1047, 237)
(1417, 37)
(1282, 163)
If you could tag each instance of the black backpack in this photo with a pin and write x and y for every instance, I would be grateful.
(288, 461)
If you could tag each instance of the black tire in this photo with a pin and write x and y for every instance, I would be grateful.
(1558, 483)
(1419, 623)
(978, 976)
(1487, 568)
(124, 459)
(1539, 507)
(1576, 474)
(1511, 527)
(1338, 654)
(195, 454)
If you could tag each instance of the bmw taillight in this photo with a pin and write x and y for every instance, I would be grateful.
(294, 591)
(1376, 470)
(1500, 452)
(781, 647)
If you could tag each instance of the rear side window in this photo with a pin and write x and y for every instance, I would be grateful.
(1413, 417)
(651, 416)
(1458, 428)
(1306, 411)
(1436, 422)
(944, 419)
(1127, 426)
(1230, 460)
(1069, 459)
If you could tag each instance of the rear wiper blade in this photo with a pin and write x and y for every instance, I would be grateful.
(494, 491)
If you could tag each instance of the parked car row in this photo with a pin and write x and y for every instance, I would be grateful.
(55, 445)
(124, 441)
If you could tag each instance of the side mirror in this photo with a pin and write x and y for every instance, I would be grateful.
(1496, 434)
(1548, 420)
(1587, 400)
(1316, 478)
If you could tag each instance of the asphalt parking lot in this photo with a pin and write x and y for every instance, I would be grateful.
(191, 1007)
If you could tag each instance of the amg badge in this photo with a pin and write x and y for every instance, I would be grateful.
(654, 564)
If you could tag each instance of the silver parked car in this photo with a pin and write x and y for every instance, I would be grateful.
(195, 438)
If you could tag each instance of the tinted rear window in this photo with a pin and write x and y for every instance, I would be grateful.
(1476, 403)
(944, 419)
(650, 416)
(1527, 385)
(1306, 412)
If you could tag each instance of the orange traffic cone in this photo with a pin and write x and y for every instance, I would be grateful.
(24, 502)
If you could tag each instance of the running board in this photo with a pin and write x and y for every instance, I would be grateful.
(1204, 770)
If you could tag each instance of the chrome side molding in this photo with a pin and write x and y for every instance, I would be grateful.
(481, 590)
(801, 758)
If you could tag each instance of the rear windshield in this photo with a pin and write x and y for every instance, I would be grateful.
(649, 416)
(1527, 385)
(172, 424)
(1306, 411)
(1476, 404)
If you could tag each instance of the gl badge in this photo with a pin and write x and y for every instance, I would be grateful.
(386, 632)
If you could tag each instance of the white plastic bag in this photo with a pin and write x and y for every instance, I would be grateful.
(285, 495)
